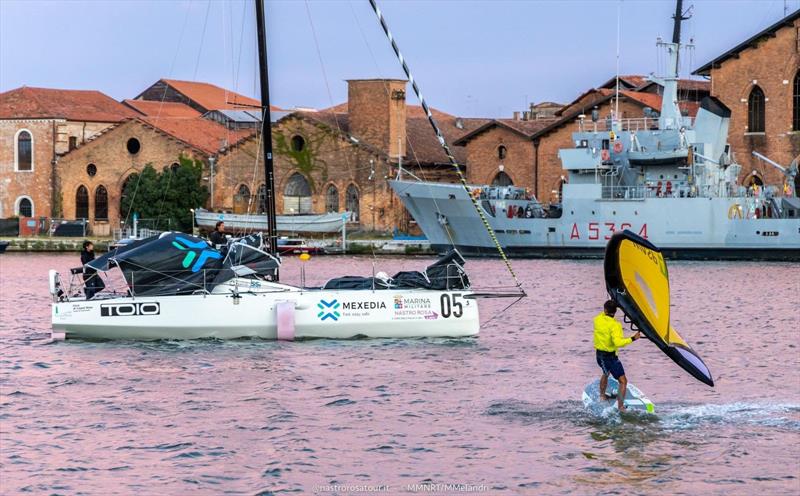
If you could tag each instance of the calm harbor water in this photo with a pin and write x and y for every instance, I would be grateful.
(500, 414)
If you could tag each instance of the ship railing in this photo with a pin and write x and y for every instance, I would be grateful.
(627, 124)
(625, 192)
(128, 232)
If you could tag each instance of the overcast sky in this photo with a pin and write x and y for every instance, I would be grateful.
(472, 58)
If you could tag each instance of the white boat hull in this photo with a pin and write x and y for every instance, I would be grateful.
(313, 223)
(256, 312)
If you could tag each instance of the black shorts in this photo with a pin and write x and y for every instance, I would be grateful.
(610, 364)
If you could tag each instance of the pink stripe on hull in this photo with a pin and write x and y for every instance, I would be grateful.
(285, 311)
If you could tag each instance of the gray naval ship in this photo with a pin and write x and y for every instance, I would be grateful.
(668, 177)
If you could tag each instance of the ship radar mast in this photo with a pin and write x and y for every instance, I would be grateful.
(670, 117)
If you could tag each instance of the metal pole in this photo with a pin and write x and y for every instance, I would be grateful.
(266, 131)
(211, 161)
(344, 233)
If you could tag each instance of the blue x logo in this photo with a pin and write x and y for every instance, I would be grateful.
(189, 246)
(328, 310)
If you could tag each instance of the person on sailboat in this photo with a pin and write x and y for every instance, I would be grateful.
(608, 339)
(92, 282)
(217, 236)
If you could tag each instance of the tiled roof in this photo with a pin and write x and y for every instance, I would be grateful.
(751, 42)
(630, 81)
(212, 97)
(422, 144)
(646, 99)
(73, 105)
(685, 85)
(525, 129)
(205, 135)
(603, 91)
(162, 109)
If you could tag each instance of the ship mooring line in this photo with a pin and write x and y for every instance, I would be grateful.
(443, 143)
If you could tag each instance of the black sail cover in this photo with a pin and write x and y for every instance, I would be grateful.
(177, 263)
(248, 256)
(638, 281)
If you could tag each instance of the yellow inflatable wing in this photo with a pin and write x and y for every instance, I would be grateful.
(638, 281)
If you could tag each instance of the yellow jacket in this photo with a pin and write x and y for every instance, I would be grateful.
(608, 334)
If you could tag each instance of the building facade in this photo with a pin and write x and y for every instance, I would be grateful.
(37, 126)
(759, 80)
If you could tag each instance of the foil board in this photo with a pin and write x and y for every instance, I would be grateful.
(635, 400)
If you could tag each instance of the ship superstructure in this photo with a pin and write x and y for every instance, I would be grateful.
(669, 177)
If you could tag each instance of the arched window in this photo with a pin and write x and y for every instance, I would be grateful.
(351, 201)
(23, 153)
(332, 199)
(261, 200)
(241, 200)
(82, 203)
(101, 203)
(297, 195)
(502, 179)
(755, 111)
(298, 143)
(24, 207)
(796, 102)
(501, 152)
(123, 196)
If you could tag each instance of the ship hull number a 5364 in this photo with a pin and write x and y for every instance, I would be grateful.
(603, 230)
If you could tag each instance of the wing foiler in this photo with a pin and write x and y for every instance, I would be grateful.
(638, 281)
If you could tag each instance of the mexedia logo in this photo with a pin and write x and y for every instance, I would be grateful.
(192, 248)
(328, 310)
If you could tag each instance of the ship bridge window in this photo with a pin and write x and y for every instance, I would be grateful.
(605, 145)
(583, 143)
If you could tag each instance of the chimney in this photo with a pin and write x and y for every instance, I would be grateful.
(516, 116)
(526, 115)
(377, 113)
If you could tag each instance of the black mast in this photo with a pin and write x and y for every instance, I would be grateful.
(266, 128)
(678, 17)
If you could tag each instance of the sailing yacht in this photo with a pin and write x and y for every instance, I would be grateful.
(177, 286)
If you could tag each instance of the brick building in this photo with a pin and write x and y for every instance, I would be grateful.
(37, 126)
(759, 80)
(340, 159)
(92, 177)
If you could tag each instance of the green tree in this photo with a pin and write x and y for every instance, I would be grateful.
(166, 196)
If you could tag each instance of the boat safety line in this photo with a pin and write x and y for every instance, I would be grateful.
(503, 311)
(444, 145)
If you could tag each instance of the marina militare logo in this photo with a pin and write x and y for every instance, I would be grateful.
(328, 310)
(191, 248)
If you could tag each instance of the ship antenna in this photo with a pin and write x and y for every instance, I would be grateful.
(616, 98)
(446, 148)
(679, 17)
